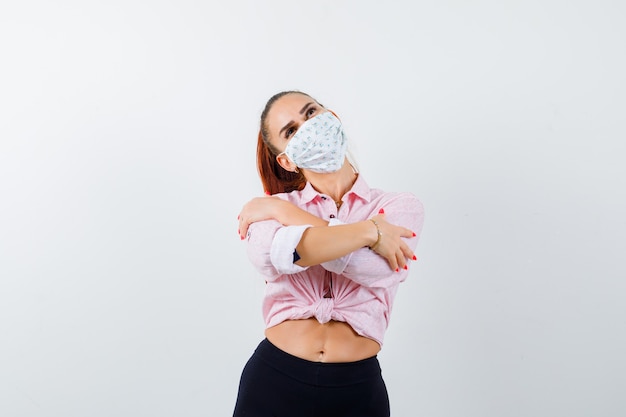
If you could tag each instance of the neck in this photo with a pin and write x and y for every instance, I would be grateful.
(335, 184)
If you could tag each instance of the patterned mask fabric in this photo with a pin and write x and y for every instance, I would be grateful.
(319, 144)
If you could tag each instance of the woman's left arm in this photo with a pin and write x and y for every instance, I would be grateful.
(274, 208)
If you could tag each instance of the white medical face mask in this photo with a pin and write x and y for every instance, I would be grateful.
(319, 144)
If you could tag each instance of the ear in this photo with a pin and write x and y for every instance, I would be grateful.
(286, 164)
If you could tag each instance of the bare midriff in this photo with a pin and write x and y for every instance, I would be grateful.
(309, 339)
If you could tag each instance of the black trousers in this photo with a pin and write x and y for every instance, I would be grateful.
(277, 384)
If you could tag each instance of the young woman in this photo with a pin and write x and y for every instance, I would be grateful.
(333, 252)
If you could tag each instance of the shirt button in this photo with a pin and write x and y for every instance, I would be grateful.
(323, 198)
(332, 216)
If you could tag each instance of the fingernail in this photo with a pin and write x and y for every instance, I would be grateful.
(406, 267)
(397, 270)
(238, 232)
(414, 258)
(238, 216)
(414, 234)
(381, 211)
(267, 192)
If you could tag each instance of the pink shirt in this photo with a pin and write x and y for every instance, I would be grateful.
(358, 288)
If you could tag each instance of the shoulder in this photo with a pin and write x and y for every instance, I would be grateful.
(404, 199)
(299, 197)
(293, 197)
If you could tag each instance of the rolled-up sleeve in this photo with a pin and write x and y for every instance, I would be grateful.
(283, 246)
(270, 248)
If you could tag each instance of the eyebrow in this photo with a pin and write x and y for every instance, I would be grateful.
(304, 108)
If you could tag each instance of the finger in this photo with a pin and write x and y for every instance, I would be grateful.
(407, 233)
(393, 262)
(243, 228)
(401, 259)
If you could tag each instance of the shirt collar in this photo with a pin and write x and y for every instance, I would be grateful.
(360, 189)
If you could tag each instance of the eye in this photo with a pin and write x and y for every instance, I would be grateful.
(290, 132)
(311, 111)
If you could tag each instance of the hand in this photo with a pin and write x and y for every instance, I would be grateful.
(256, 210)
(391, 246)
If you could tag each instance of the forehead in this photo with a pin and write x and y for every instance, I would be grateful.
(286, 109)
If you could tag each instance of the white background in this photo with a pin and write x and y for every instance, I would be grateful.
(127, 147)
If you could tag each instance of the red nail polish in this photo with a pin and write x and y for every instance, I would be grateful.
(381, 211)
(406, 267)
(267, 193)
(238, 216)
(397, 270)
(238, 232)
(414, 234)
(414, 258)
